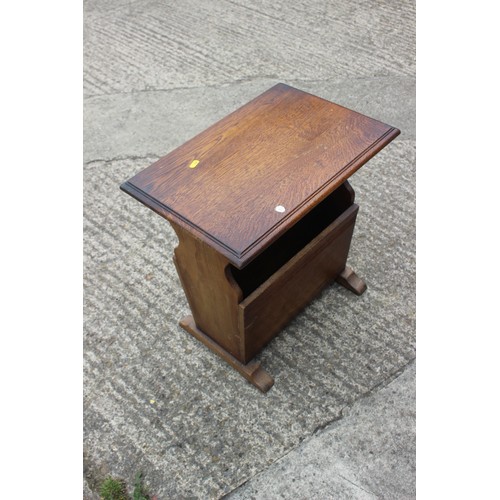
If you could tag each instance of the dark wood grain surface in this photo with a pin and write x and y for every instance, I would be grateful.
(285, 148)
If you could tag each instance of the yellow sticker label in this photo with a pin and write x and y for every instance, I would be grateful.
(194, 163)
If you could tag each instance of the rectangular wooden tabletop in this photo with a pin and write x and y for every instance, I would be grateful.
(245, 180)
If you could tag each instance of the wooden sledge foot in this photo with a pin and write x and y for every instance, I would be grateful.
(252, 371)
(348, 279)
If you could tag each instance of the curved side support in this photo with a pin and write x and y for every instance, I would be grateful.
(350, 192)
(211, 291)
(233, 283)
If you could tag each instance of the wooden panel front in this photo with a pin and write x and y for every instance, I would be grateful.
(271, 306)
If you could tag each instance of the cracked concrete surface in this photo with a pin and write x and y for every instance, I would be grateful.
(156, 73)
(365, 454)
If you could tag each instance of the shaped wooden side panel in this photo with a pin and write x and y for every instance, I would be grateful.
(212, 294)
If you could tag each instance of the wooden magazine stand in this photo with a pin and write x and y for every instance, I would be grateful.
(264, 216)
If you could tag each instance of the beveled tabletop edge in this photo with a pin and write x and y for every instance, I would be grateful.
(241, 259)
(176, 218)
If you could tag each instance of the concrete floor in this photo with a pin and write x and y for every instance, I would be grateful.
(368, 453)
(339, 422)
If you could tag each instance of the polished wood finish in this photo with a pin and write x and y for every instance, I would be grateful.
(264, 215)
(285, 148)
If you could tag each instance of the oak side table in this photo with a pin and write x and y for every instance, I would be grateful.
(264, 215)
